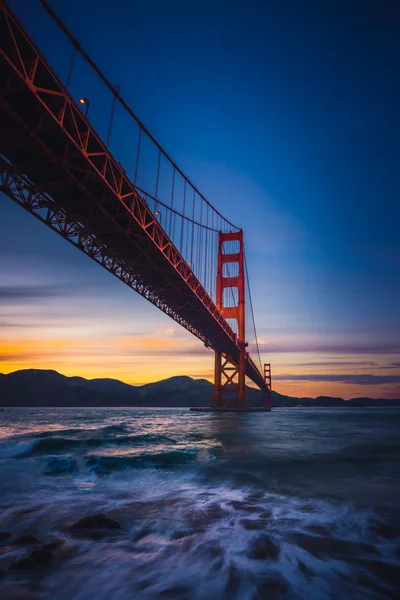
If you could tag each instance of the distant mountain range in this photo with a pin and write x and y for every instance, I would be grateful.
(34, 387)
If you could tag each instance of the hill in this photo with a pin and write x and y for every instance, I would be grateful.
(35, 387)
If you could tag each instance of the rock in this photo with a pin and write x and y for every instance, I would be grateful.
(2, 573)
(141, 533)
(174, 593)
(21, 593)
(53, 545)
(320, 546)
(96, 523)
(179, 534)
(255, 497)
(26, 540)
(267, 514)
(233, 582)
(272, 588)
(214, 511)
(389, 531)
(246, 507)
(38, 558)
(304, 569)
(263, 547)
(252, 524)
(4, 536)
(319, 529)
(199, 519)
(386, 572)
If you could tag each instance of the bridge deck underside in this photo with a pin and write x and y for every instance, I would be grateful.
(39, 146)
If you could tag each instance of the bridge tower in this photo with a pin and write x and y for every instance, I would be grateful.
(229, 376)
(268, 383)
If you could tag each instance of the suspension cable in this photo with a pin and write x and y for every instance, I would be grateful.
(126, 106)
(252, 312)
(179, 214)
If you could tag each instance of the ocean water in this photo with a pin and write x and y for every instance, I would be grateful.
(296, 503)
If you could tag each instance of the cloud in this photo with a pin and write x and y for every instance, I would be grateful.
(285, 346)
(11, 325)
(359, 379)
(112, 349)
(17, 293)
(337, 363)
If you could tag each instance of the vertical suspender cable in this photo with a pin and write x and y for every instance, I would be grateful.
(183, 213)
(252, 313)
(172, 215)
(199, 241)
(138, 155)
(157, 181)
(192, 240)
(71, 68)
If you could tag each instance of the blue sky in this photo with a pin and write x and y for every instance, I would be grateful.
(285, 115)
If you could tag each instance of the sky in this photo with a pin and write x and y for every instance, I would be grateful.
(286, 116)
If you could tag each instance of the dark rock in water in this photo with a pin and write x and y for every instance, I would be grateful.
(176, 593)
(372, 584)
(97, 523)
(271, 589)
(21, 593)
(244, 506)
(389, 531)
(2, 573)
(141, 533)
(388, 573)
(4, 536)
(233, 582)
(200, 519)
(214, 511)
(320, 546)
(38, 558)
(304, 569)
(319, 529)
(53, 545)
(255, 497)
(263, 547)
(308, 508)
(266, 514)
(26, 540)
(179, 534)
(252, 524)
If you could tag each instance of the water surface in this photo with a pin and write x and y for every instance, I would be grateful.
(296, 503)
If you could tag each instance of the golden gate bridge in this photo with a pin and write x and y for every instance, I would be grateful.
(151, 228)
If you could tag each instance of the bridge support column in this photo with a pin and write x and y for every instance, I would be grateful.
(229, 376)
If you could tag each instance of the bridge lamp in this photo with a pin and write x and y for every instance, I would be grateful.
(158, 213)
(85, 101)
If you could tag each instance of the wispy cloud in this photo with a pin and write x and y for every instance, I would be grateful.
(357, 379)
(305, 346)
(21, 293)
(337, 363)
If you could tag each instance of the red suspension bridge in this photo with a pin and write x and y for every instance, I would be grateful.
(152, 229)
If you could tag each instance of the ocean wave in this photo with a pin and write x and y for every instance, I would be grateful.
(14, 449)
(61, 465)
(104, 465)
(60, 444)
